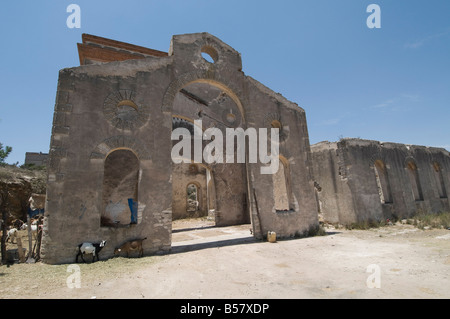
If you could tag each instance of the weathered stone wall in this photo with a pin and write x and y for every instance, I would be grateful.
(84, 133)
(362, 180)
(130, 106)
(332, 190)
(269, 110)
(37, 159)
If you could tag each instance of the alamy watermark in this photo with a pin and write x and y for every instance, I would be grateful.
(213, 151)
(374, 20)
(374, 279)
(74, 280)
(74, 19)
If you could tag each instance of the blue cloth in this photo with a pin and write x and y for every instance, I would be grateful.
(133, 209)
(35, 212)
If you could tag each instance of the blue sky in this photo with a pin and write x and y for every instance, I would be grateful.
(389, 84)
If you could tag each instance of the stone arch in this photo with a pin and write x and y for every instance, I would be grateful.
(210, 51)
(205, 76)
(122, 111)
(111, 144)
(282, 187)
(120, 188)
(220, 193)
(185, 118)
(439, 179)
(274, 120)
(212, 48)
(376, 155)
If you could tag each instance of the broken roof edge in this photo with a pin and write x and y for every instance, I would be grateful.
(99, 49)
(126, 68)
(192, 37)
(94, 39)
(362, 142)
(323, 145)
(278, 96)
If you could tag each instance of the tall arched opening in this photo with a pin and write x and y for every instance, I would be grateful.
(222, 186)
(413, 175)
(120, 189)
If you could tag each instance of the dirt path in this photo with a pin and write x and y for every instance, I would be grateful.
(228, 263)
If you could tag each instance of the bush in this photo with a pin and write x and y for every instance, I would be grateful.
(438, 220)
(367, 224)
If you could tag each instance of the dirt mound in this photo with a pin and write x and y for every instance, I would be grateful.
(19, 184)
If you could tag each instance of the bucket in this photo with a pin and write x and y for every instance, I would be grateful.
(272, 237)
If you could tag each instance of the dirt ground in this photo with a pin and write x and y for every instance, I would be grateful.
(398, 261)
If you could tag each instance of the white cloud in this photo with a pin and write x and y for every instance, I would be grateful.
(420, 42)
(383, 104)
(395, 102)
(447, 146)
(410, 97)
(333, 121)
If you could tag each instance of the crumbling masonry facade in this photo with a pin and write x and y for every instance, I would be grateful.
(110, 151)
(111, 175)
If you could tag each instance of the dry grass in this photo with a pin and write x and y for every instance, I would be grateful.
(439, 220)
(23, 280)
(420, 220)
(31, 280)
(187, 275)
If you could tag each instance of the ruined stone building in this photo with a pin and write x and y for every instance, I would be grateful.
(111, 175)
(360, 181)
(37, 159)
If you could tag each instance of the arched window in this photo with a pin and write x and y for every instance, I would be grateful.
(439, 178)
(120, 189)
(276, 124)
(413, 175)
(384, 187)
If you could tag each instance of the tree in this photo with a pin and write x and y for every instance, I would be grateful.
(4, 152)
